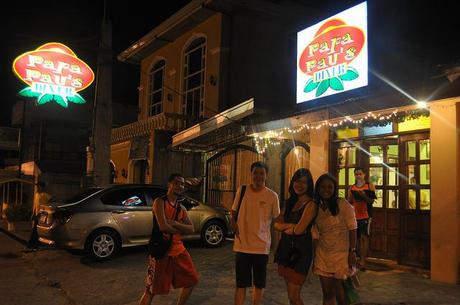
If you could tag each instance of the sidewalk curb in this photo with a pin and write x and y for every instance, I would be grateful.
(13, 236)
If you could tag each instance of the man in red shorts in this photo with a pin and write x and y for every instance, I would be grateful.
(176, 268)
(362, 195)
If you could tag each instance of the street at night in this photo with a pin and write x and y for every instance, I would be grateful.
(58, 277)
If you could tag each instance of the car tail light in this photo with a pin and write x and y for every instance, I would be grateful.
(62, 217)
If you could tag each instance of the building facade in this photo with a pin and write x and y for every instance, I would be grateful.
(217, 94)
(208, 57)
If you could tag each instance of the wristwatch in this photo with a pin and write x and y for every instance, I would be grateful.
(352, 250)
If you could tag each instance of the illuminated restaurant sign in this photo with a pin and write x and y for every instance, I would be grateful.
(332, 55)
(53, 73)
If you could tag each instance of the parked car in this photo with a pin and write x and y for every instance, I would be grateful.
(103, 220)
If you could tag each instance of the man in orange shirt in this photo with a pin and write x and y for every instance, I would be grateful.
(176, 268)
(362, 195)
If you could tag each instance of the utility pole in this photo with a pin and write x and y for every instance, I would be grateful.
(21, 137)
(99, 150)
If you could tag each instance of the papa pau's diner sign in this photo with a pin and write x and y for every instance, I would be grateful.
(332, 55)
(53, 73)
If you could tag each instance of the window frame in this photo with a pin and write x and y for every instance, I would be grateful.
(189, 92)
(156, 107)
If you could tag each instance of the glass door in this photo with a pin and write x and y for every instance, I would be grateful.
(383, 172)
(416, 200)
(347, 160)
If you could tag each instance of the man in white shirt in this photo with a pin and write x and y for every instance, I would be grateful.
(251, 221)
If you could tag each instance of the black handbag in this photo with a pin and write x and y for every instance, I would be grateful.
(158, 243)
(293, 254)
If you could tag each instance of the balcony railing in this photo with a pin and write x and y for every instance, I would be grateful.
(163, 121)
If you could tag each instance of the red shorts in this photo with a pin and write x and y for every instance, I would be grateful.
(291, 276)
(177, 271)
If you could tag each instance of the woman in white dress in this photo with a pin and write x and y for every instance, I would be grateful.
(334, 234)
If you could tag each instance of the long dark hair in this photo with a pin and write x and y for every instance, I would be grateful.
(300, 173)
(331, 202)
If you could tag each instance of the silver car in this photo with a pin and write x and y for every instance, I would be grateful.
(103, 220)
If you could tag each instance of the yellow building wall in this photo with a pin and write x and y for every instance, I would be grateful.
(119, 154)
(445, 182)
(172, 53)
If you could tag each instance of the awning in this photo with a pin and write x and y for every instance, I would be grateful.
(210, 134)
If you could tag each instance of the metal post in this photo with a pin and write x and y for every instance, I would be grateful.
(16, 194)
(22, 190)
(20, 138)
(102, 115)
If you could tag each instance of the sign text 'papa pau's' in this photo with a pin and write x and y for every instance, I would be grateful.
(53, 73)
(332, 55)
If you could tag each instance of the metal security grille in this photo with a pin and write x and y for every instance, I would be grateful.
(194, 76)
(156, 79)
(226, 171)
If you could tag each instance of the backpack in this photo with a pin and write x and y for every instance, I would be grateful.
(243, 190)
(158, 244)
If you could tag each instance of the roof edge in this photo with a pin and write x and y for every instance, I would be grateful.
(128, 54)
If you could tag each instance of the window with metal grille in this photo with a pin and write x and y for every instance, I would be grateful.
(194, 76)
(156, 79)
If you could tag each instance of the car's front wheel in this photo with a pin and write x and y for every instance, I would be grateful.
(102, 245)
(213, 234)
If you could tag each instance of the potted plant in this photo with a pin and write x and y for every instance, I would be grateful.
(15, 213)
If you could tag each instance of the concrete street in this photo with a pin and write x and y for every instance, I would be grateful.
(53, 276)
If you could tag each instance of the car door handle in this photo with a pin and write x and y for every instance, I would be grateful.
(118, 211)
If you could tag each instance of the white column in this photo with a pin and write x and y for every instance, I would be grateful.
(445, 199)
(319, 151)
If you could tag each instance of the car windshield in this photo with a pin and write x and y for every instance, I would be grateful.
(83, 194)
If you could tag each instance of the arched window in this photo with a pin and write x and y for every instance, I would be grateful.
(156, 79)
(194, 68)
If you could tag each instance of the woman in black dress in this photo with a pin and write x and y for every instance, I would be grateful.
(294, 252)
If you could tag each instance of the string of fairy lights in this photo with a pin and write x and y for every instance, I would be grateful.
(276, 137)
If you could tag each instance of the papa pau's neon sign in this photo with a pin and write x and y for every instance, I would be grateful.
(53, 73)
(332, 55)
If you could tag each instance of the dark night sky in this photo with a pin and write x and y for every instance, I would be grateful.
(408, 39)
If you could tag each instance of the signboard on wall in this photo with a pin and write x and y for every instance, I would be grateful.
(53, 73)
(332, 55)
(139, 148)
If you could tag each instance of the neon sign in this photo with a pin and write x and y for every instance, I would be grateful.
(332, 55)
(53, 73)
